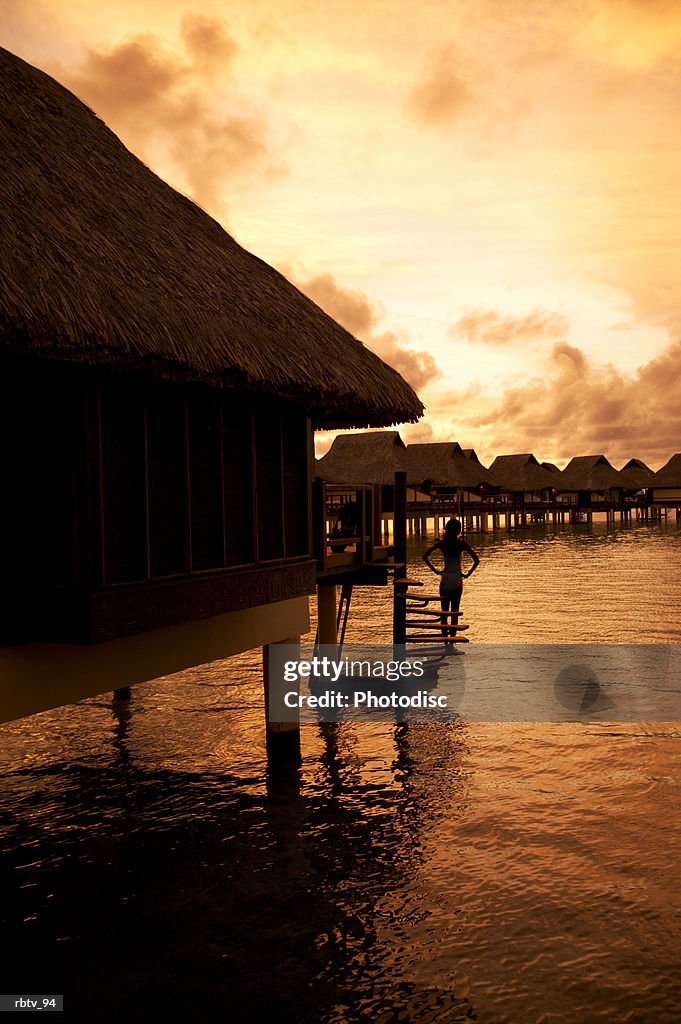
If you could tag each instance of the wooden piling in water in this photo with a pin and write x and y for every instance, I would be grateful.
(282, 738)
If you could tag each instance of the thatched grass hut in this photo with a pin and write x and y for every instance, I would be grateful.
(160, 387)
(106, 265)
(591, 478)
(635, 475)
(442, 468)
(666, 483)
(367, 458)
(523, 477)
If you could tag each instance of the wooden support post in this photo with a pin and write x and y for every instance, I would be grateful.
(327, 612)
(400, 544)
(122, 693)
(283, 738)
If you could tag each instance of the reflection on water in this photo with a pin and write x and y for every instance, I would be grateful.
(428, 873)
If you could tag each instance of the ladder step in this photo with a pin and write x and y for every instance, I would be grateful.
(428, 614)
(420, 637)
(420, 597)
(433, 625)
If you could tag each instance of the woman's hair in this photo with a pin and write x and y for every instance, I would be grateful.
(451, 543)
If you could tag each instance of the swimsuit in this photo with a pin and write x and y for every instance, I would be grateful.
(451, 580)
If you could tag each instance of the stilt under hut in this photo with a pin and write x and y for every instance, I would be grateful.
(160, 388)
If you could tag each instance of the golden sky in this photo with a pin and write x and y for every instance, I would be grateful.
(486, 192)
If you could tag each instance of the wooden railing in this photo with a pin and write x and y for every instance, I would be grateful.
(360, 546)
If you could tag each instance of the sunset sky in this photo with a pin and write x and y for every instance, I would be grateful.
(486, 193)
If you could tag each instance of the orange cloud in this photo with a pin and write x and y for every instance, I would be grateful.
(441, 94)
(358, 315)
(182, 109)
(578, 407)
(492, 328)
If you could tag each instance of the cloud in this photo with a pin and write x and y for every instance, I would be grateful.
(578, 408)
(491, 328)
(441, 95)
(358, 315)
(180, 108)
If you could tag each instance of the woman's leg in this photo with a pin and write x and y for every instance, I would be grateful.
(455, 598)
(444, 603)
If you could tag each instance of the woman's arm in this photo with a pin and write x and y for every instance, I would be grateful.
(476, 560)
(426, 559)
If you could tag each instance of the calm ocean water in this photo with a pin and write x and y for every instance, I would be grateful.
(442, 872)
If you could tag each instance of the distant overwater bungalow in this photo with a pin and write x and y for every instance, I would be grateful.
(636, 476)
(588, 479)
(448, 478)
(160, 389)
(666, 485)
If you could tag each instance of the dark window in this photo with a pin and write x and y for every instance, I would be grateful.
(294, 445)
(268, 475)
(52, 427)
(124, 485)
(237, 449)
(167, 472)
(205, 477)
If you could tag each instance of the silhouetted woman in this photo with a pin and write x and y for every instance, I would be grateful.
(451, 576)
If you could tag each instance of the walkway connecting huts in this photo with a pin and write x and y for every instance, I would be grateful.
(666, 486)
(160, 387)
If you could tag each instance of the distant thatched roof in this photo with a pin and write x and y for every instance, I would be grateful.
(590, 473)
(321, 473)
(670, 474)
(551, 466)
(521, 473)
(635, 474)
(444, 464)
(371, 458)
(103, 263)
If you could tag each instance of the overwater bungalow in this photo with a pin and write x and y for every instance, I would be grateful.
(442, 470)
(589, 480)
(370, 459)
(523, 479)
(666, 485)
(636, 476)
(160, 388)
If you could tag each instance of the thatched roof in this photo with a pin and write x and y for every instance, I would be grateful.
(551, 466)
(590, 473)
(521, 473)
(321, 473)
(670, 474)
(635, 475)
(443, 464)
(487, 476)
(101, 262)
(371, 458)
